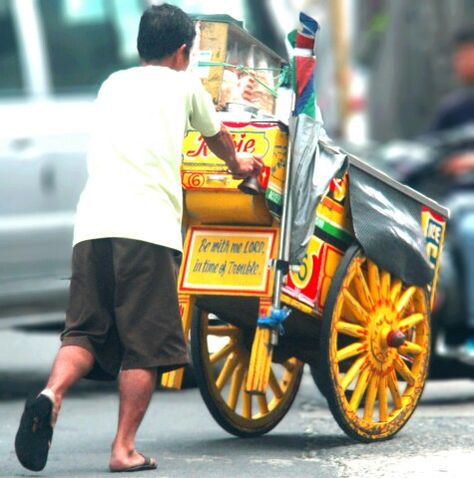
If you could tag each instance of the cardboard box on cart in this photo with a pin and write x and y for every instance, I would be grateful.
(224, 42)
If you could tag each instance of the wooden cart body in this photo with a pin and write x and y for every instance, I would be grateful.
(231, 238)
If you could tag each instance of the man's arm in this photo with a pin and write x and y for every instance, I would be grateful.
(241, 166)
(204, 119)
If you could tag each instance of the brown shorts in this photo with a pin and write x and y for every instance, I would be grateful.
(123, 306)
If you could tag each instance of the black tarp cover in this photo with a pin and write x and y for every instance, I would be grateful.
(387, 225)
(386, 222)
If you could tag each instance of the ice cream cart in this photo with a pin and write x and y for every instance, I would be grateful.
(355, 306)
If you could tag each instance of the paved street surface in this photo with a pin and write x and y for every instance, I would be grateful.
(437, 442)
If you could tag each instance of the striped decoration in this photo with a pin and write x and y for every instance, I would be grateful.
(304, 65)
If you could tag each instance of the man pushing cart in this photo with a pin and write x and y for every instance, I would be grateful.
(328, 262)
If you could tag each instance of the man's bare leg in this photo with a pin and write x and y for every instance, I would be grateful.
(33, 438)
(136, 387)
(71, 363)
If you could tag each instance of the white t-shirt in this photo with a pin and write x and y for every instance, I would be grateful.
(134, 185)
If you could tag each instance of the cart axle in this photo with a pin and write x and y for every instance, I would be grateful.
(396, 338)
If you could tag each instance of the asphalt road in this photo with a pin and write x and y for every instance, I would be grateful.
(437, 441)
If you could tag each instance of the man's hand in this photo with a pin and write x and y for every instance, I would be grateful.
(460, 163)
(246, 165)
(240, 165)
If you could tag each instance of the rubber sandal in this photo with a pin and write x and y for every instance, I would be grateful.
(146, 465)
(33, 439)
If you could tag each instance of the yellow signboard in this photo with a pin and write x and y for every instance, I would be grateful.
(230, 260)
(201, 169)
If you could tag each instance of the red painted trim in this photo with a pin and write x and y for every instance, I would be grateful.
(332, 204)
(435, 215)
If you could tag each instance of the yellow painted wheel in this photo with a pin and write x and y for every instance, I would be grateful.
(221, 377)
(375, 344)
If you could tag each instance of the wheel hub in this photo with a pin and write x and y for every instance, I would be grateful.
(396, 338)
(384, 339)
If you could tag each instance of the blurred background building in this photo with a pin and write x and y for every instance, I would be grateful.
(407, 49)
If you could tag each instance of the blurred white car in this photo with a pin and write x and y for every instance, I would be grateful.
(54, 54)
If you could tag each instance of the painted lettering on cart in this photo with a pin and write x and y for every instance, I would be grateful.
(225, 246)
(224, 259)
(234, 260)
(241, 142)
(301, 277)
(221, 246)
(433, 230)
(226, 267)
(433, 240)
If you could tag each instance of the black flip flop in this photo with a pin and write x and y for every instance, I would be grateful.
(146, 465)
(33, 439)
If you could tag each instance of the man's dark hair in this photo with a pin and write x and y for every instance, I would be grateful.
(464, 35)
(163, 29)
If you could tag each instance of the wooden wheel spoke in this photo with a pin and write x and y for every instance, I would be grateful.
(362, 289)
(385, 285)
(370, 397)
(359, 390)
(395, 290)
(222, 330)
(383, 399)
(275, 386)
(374, 280)
(411, 348)
(404, 371)
(223, 352)
(352, 330)
(262, 404)
(236, 386)
(246, 400)
(405, 299)
(411, 321)
(350, 375)
(356, 308)
(290, 364)
(393, 386)
(227, 370)
(350, 351)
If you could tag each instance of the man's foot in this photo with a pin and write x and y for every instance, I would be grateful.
(135, 462)
(33, 439)
(55, 400)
